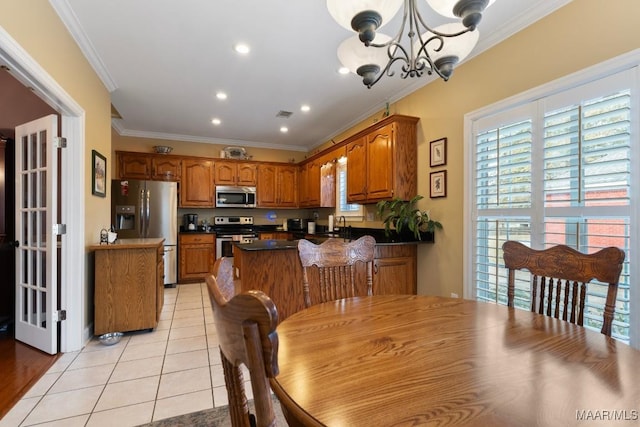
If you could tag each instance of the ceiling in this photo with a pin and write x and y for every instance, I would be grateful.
(164, 60)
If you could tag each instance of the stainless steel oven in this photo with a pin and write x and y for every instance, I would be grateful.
(231, 229)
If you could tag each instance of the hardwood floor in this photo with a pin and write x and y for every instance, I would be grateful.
(20, 367)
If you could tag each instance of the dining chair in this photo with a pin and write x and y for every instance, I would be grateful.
(246, 327)
(560, 275)
(336, 262)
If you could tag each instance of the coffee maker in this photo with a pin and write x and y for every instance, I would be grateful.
(190, 222)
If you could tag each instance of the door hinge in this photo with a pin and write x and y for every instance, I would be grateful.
(59, 229)
(60, 142)
(60, 315)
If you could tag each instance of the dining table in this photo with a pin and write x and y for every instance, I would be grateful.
(409, 360)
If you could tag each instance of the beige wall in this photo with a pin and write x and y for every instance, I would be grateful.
(36, 28)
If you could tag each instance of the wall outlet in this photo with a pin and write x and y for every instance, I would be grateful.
(454, 295)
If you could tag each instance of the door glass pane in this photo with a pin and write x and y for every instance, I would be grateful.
(43, 149)
(43, 189)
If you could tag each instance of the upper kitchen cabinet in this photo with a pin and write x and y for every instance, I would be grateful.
(145, 166)
(235, 173)
(197, 188)
(382, 161)
(165, 168)
(309, 184)
(133, 165)
(317, 182)
(277, 186)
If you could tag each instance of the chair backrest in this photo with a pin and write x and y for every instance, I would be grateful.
(560, 275)
(223, 272)
(246, 326)
(336, 261)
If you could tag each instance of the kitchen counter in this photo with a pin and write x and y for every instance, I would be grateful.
(129, 244)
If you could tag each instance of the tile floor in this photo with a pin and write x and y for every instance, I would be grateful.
(147, 376)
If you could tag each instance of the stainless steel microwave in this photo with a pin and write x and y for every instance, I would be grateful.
(235, 197)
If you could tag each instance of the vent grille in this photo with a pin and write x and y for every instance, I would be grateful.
(285, 114)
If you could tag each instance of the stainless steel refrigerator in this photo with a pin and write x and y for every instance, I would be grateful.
(148, 209)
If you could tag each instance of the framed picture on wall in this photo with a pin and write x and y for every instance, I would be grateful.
(438, 155)
(98, 174)
(438, 187)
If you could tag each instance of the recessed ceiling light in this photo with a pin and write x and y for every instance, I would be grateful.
(284, 129)
(305, 108)
(216, 121)
(221, 95)
(241, 48)
(343, 70)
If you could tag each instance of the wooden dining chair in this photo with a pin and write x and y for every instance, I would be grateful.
(336, 262)
(246, 326)
(559, 279)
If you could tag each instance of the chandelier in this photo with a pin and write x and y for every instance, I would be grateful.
(371, 54)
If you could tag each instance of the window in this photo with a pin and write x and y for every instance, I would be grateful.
(556, 169)
(353, 211)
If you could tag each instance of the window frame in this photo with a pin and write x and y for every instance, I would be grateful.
(629, 61)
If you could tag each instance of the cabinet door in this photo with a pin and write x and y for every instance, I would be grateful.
(357, 171)
(247, 174)
(328, 185)
(287, 185)
(225, 173)
(267, 194)
(303, 191)
(165, 168)
(160, 283)
(196, 261)
(394, 276)
(134, 166)
(197, 184)
(313, 184)
(380, 164)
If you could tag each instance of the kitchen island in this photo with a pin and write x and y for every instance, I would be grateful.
(273, 266)
(129, 285)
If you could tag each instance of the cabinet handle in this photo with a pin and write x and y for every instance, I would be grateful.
(375, 268)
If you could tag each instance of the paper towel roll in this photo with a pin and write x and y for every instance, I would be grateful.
(311, 227)
(330, 223)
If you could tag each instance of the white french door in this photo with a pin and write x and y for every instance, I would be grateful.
(36, 216)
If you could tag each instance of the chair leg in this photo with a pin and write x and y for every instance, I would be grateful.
(238, 404)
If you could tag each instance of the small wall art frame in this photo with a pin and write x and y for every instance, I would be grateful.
(438, 187)
(98, 174)
(438, 155)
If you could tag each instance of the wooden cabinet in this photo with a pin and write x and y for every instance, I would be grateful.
(129, 285)
(165, 168)
(197, 254)
(134, 166)
(275, 235)
(160, 167)
(395, 270)
(197, 188)
(235, 173)
(277, 186)
(309, 184)
(382, 161)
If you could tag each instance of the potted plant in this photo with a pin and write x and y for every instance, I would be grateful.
(405, 217)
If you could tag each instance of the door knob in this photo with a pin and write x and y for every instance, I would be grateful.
(15, 243)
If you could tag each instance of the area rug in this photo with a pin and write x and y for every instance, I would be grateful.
(216, 417)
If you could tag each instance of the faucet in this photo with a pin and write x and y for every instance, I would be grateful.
(342, 230)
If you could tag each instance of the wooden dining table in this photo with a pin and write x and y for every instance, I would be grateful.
(407, 360)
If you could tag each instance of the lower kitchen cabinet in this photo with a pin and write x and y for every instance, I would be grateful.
(197, 254)
(129, 285)
(275, 235)
(395, 270)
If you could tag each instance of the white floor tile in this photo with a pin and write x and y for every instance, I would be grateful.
(19, 412)
(148, 337)
(182, 314)
(126, 416)
(184, 345)
(82, 378)
(64, 405)
(188, 332)
(130, 392)
(186, 322)
(140, 368)
(96, 358)
(183, 361)
(43, 385)
(144, 351)
(183, 382)
(183, 404)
